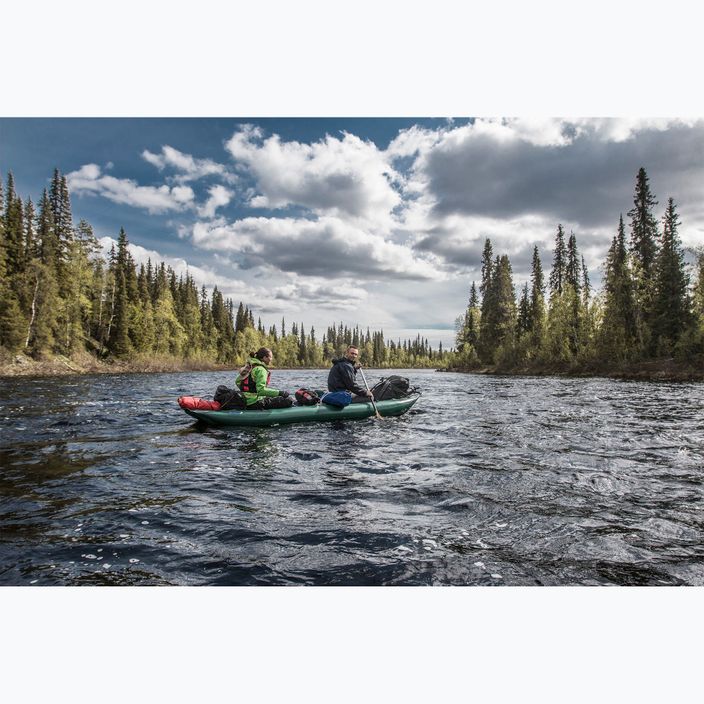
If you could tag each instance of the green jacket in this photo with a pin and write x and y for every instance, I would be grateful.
(254, 385)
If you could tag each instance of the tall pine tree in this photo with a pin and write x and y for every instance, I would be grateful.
(559, 264)
(498, 321)
(644, 251)
(671, 305)
(536, 319)
(618, 341)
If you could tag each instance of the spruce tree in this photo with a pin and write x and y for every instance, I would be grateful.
(141, 328)
(586, 284)
(224, 327)
(644, 251)
(523, 323)
(61, 209)
(671, 305)
(498, 322)
(14, 232)
(572, 289)
(302, 348)
(563, 328)
(29, 287)
(3, 270)
(12, 268)
(45, 304)
(618, 332)
(487, 268)
(573, 270)
(190, 307)
(559, 265)
(169, 334)
(486, 345)
(469, 333)
(536, 321)
(46, 233)
(30, 234)
(644, 230)
(119, 342)
(207, 326)
(240, 323)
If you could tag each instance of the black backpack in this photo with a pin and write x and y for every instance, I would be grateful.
(391, 387)
(230, 399)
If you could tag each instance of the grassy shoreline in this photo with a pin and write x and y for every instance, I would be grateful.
(19, 365)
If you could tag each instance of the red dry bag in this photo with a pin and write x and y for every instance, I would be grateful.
(193, 403)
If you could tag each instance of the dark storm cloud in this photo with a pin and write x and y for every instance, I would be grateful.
(588, 181)
(465, 255)
(458, 254)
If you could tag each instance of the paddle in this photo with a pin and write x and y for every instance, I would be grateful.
(376, 410)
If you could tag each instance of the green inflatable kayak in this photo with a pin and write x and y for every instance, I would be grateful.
(302, 414)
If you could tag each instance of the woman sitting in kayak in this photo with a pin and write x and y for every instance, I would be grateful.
(253, 381)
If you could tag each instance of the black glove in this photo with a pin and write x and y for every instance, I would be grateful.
(284, 394)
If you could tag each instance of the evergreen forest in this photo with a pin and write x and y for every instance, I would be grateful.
(59, 296)
(650, 311)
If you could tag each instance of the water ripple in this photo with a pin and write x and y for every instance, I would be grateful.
(488, 481)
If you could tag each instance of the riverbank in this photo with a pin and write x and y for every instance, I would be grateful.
(83, 363)
(655, 370)
(13, 365)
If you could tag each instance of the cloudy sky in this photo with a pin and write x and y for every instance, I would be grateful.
(378, 222)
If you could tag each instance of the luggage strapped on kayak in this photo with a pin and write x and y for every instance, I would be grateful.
(230, 399)
(337, 398)
(306, 397)
(393, 387)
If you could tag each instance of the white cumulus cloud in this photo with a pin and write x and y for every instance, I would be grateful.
(219, 197)
(345, 176)
(154, 199)
(190, 167)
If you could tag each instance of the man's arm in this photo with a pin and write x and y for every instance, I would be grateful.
(351, 384)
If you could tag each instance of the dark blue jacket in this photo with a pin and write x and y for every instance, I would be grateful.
(342, 377)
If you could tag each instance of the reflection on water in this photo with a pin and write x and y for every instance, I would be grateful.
(487, 481)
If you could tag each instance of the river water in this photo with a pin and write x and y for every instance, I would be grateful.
(488, 480)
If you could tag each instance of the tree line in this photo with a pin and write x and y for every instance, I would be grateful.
(58, 295)
(648, 308)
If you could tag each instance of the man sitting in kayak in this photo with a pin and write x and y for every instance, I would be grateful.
(253, 381)
(343, 373)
